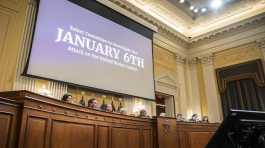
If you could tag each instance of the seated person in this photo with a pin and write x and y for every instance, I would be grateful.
(109, 108)
(205, 119)
(92, 103)
(180, 118)
(143, 113)
(67, 98)
(194, 118)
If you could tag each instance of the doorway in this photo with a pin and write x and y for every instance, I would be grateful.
(165, 105)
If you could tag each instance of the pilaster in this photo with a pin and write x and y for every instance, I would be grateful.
(210, 83)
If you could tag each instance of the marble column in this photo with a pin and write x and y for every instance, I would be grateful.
(211, 89)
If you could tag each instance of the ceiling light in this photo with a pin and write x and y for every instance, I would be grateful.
(203, 9)
(196, 10)
(191, 7)
(181, 1)
(215, 4)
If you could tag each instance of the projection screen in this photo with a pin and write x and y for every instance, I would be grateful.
(75, 45)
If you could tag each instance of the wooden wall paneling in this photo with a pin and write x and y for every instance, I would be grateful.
(199, 139)
(36, 131)
(147, 138)
(110, 137)
(167, 132)
(125, 138)
(194, 135)
(69, 134)
(103, 137)
(12, 16)
(8, 124)
(95, 136)
(5, 126)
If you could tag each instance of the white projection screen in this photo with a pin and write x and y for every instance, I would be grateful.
(76, 45)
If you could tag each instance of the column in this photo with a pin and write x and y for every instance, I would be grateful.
(181, 80)
(193, 87)
(210, 83)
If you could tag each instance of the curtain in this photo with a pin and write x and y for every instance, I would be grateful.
(243, 94)
(242, 86)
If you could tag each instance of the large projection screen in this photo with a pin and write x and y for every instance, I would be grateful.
(75, 45)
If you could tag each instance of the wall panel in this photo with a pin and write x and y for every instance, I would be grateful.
(125, 138)
(8, 124)
(103, 137)
(237, 55)
(147, 138)
(36, 132)
(199, 139)
(69, 135)
(5, 126)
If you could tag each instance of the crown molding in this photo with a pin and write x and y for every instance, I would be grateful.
(242, 35)
(261, 44)
(145, 16)
(229, 28)
(162, 27)
(132, 16)
(178, 43)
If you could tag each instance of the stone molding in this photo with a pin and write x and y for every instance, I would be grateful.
(231, 28)
(207, 59)
(193, 60)
(261, 44)
(180, 59)
(178, 36)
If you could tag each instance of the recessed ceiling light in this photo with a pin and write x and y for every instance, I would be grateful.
(215, 4)
(196, 10)
(181, 1)
(203, 9)
(192, 7)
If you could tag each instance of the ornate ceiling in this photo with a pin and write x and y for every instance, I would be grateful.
(192, 26)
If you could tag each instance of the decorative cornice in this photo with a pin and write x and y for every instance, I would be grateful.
(180, 59)
(140, 13)
(229, 28)
(193, 60)
(169, 31)
(206, 59)
(181, 42)
(261, 44)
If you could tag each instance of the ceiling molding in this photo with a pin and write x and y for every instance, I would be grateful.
(145, 16)
(124, 4)
(176, 42)
(229, 28)
(243, 35)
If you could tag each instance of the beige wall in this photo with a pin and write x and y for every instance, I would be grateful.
(165, 72)
(12, 21)
(240, 54)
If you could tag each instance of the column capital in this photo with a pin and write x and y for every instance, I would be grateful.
(261, 44)
(206, 59)
(193, 60)
(180, 58)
